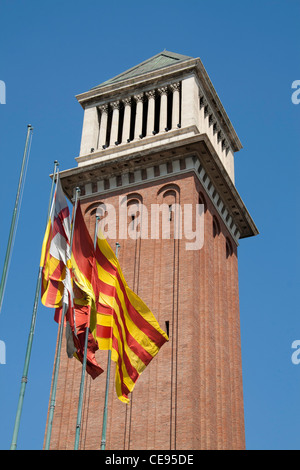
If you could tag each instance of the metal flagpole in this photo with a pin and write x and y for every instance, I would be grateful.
(80, 402)
(14, 217)
(31, 333)
(60, 335)
(104, 424)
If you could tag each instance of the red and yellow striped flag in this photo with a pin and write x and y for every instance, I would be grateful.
(85, 293)
(125, 325)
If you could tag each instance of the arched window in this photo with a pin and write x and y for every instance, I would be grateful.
(216, 227)
(167, 217)
(229, 249)
(202, 200)
(137, 217)
(133, 208)
(92, 208)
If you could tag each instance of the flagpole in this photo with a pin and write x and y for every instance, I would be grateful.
(104, 424)
(81, 391)
(31, 333)
(14, 217)
(59, 344)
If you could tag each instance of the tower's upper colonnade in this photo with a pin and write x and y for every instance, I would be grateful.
(167, 99)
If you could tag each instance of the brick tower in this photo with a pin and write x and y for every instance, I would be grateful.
(158, 134)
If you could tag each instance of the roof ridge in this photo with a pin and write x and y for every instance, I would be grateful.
(168, 54)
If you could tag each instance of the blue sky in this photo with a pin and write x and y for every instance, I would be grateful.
(51, 51)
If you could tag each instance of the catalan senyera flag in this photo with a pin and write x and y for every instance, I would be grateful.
(56, 251)
(125, 325)
(85, 293)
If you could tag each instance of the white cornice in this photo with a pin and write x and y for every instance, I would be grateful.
(135, 83)
(210, 171)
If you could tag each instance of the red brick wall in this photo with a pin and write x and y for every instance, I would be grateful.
(190, 396)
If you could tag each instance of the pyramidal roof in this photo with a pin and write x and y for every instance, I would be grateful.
(161, 60)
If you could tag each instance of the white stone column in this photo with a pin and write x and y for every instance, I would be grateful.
(163, 108)
(126, 121)
(114, 123)
(190, 112)
(103, 125)
(139, 116)
(151, 112)
(90, 130)
(175, 87)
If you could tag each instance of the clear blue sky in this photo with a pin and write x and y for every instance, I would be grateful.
(51, 51)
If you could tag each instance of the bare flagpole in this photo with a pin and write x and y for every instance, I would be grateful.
(61, 328)
(31, 332)
(104, 423)
(81, 391)
(15, 216)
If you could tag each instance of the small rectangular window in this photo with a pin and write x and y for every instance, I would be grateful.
(167, 327)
